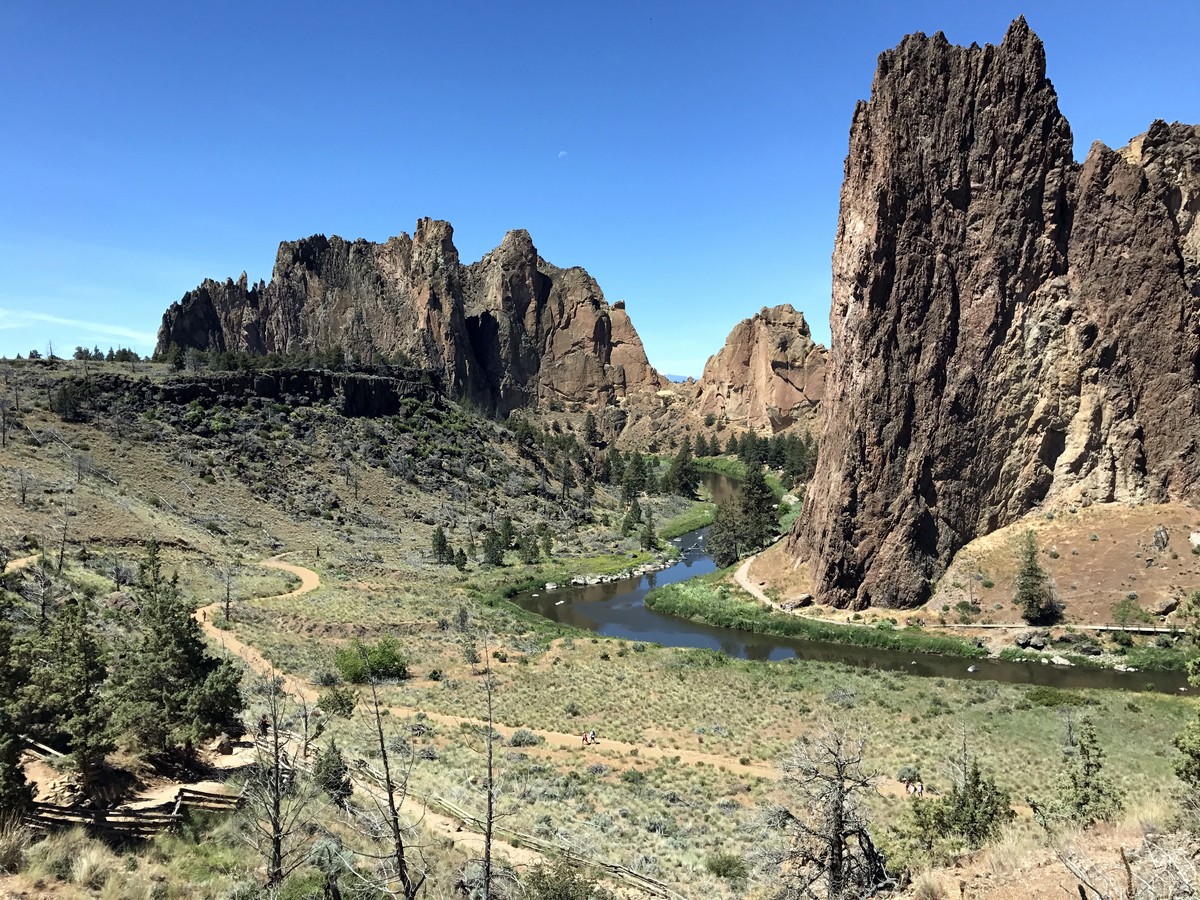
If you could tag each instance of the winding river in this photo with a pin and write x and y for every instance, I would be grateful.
(615, 609)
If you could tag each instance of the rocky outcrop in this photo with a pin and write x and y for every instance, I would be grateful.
(505, 332)
(768, 376)
(1009, 328)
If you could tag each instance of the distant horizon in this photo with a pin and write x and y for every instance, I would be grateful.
(692, 163)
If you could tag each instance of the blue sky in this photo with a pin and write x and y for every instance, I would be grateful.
(689, 155)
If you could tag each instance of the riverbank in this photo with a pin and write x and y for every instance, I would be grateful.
(707, 599)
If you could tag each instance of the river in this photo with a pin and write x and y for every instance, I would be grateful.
(615, 609)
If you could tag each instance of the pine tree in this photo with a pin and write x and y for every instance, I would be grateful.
(439, 546)
(1033, 596)
(758, 517)
(170, 691)
(567, 477)
(681, 475)
(15, 791)
(591, 434)
(506, 532)
(77, 675)
(1085, 793)
(723, 543)
(332, 774)
(632, 517)
(649, 537)
(460, 559)
(493, 548)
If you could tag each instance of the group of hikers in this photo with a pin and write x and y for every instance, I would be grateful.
(589, 737)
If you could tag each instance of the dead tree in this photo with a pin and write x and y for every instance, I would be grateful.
(814, 841)
(404, 858)
(280, 804)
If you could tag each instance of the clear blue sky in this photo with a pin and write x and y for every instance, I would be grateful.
(689, 155)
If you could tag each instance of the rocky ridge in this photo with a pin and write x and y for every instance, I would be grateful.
(1009, 328)
(769, 374)
(505, 332)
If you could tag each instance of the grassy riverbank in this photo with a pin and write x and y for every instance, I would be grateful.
(705, 600)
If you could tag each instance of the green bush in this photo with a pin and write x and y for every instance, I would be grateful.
(729, 866)
(1041, 695)
(360, 662)
(338, 701)
(523, 737)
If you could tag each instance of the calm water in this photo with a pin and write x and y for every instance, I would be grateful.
(615, 610)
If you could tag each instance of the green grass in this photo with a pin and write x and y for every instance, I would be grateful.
(700, 515)
(700, 599)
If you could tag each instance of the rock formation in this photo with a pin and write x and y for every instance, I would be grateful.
(1009, 328)
(768, 376)
(504, 332)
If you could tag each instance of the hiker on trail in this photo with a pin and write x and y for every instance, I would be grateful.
(592, 737)
(585, 739)
(263, 725)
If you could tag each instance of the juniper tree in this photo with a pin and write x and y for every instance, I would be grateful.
(15, 791)
(170, 692)
(1033, 595)
(77, 670)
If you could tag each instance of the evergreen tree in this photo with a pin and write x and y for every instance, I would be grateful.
(591, 434)
(681, 475)
(649, 537)
(973, 810)
(1085, 794)
(493, 548)
(723, 544)
(632, 517)
(758, 517)
(170, 692)
(567, 477)
(634, 481)
(506, 533)
(732, 447)
(528, 548)
(460, 559)
(441, 549)
(1033, 596)
(15, 791)
(77, 674)
(614, 466)
(332, 775)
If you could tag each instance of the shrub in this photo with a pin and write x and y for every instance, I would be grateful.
(572, 709)
(332, 774)
(523, 737)
(359, 662)
(338, 701)
(1041, 695)
(564, 880)
(633, 776)
(729, 866)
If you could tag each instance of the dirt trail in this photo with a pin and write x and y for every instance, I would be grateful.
(23, 563)
(556, 741)
(444, 826)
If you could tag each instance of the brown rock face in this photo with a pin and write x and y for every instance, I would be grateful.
(1009, 328)
(768, 376)
(504, 332)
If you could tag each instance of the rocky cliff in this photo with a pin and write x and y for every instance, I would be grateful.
(503, 332)
(1009, 328)
(768, 375)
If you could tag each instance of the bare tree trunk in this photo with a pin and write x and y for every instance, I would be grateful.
(490, 815)
(410, 886)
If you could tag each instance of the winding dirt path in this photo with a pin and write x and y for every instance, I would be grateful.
(556, 742)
